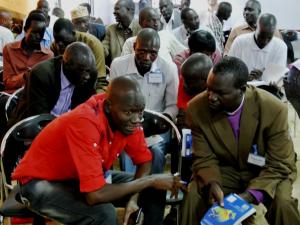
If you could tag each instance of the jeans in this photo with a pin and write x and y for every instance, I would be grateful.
(63, 202)
(158, 156)
(292, 88)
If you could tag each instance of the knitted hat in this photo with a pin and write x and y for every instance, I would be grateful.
(79, 12)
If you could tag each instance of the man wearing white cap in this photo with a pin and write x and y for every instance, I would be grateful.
(81, 21)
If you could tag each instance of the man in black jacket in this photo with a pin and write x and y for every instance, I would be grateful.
(58, 85)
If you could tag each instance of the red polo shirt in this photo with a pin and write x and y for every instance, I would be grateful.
(16, 62)
(79, 145)
(183, 97)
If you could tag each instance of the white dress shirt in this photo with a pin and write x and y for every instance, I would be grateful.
(182, 34)
(169, 45)
(6, 36)
(245, 48)
(159, 85)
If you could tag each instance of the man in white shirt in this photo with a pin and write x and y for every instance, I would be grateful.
(159, 83)
(191, 23)
(170, 18)
(260, 49)
(6, 34)
(169, 45)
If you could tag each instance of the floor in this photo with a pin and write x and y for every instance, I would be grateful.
(294, 123)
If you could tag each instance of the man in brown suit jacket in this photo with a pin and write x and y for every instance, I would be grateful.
(118, 33)
(241, 144)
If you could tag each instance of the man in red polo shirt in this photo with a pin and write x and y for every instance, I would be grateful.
(192, 81)
(65, 173)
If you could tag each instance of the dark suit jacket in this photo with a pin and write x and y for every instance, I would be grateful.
(42, 90)
(97, 30)
(263, 122)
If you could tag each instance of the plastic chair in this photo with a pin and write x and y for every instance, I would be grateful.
(15, 143)
(12, 102)
(174, 150)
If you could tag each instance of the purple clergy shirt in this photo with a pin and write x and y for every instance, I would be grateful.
(234, 120)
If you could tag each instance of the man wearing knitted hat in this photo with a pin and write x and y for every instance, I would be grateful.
(81, 21)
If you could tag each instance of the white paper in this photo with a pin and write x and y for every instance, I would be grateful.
(154, 139)
(274, 73)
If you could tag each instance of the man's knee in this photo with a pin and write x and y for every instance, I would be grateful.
(282, 200)
(104, 215)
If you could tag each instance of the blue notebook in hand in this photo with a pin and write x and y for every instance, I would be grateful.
(235, 210)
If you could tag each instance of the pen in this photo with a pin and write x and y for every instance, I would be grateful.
(138, 217)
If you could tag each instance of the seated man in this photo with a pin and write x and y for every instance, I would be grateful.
(260, 49)
(58, 85)
(117, 33)
(170, 16)
(65, 180)
(191, 23)
(202, 42)
(241, 144)
(192, 81)
(169, 45)
(215, 21)
(251, 13)
(20, 56)
(159, 83)
(47, 40)
(81, 21)
(65, 34)
(6, 34)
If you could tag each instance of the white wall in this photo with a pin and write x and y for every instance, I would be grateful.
(286, 12)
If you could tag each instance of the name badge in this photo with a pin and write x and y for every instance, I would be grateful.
(256, 159)
(155, 78)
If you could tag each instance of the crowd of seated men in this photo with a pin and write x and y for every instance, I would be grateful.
(97, 80)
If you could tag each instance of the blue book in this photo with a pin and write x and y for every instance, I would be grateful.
(235, 210)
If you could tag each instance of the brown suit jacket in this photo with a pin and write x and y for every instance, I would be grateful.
(263, 122)
(114, 40)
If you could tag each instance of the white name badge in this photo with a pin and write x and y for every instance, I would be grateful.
(155, 78)
(256, 160)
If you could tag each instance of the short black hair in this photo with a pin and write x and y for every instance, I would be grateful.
(200, 41)
(257, 4)
(232, 66)
(34, 15)
(61, 24)
(184, 12)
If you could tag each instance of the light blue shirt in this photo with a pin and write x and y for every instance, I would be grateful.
(63, 103)
(47, 40)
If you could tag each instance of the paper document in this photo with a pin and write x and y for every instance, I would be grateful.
(272, 73)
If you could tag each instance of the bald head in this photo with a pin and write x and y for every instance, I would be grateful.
(267, 20)
(148, 35)
(43, 5)
(121, 88)
(78, 51)
(5, 19)
(149, 18)
(124, 104)
(195, 71)
(79, 64)
(266, 27)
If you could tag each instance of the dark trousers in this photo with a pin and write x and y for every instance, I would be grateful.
(62, 202)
